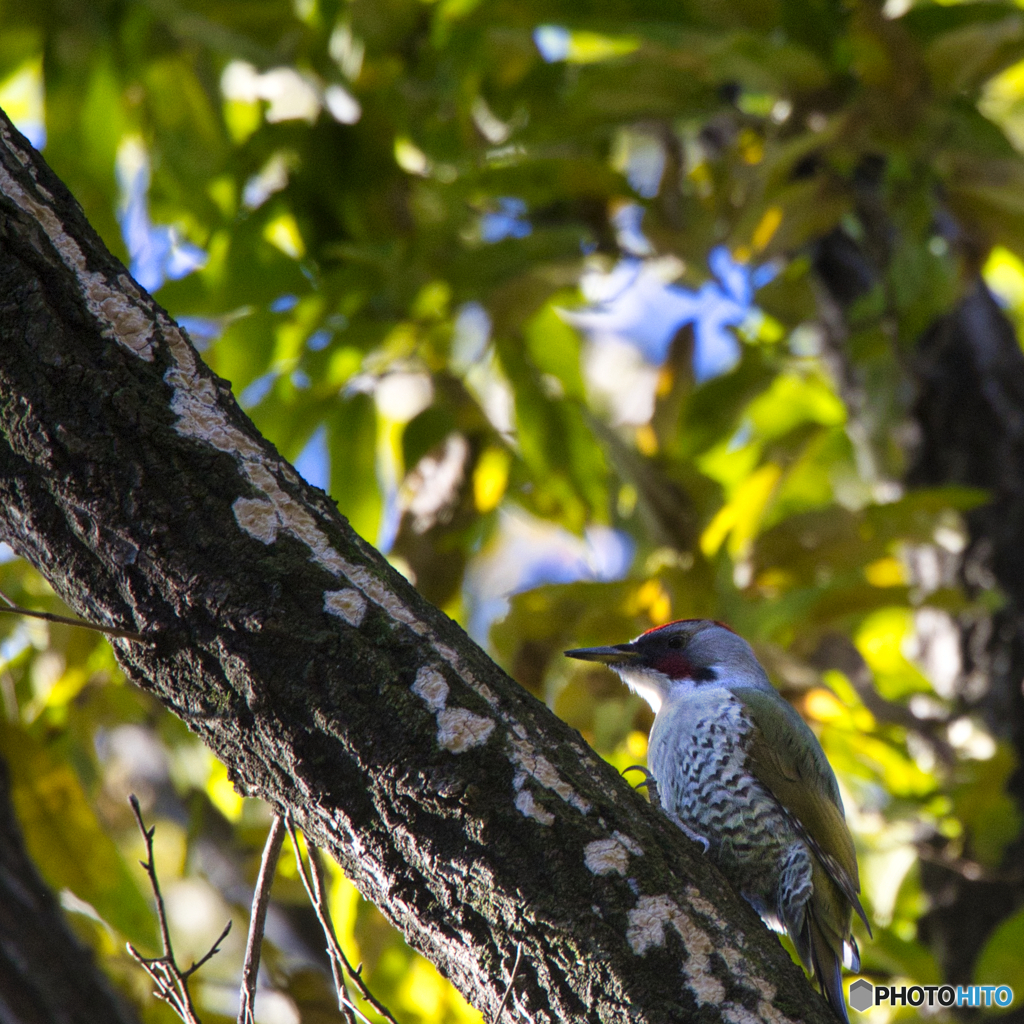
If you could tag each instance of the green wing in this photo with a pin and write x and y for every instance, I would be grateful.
(787, 759)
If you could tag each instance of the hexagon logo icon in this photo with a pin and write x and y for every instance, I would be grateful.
(862, 995)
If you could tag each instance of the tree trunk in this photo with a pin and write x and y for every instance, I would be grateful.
(477, 821)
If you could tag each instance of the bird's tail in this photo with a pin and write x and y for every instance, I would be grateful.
(826, 962)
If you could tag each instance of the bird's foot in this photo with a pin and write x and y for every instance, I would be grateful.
(649, 781)
(652, 789)
(691, 834)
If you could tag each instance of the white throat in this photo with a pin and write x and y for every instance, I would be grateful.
(652, 686)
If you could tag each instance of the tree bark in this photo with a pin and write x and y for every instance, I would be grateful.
(477, 821)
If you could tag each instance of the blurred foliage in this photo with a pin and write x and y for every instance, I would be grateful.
(401, 205)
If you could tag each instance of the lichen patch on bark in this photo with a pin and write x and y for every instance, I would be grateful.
(541, 770)
(431, 686)
(647, 927)
(611, 854)
(606, 857)
(258, 518)
(347, 604)
(458, 729)
(119, 318)
(527, 806)
(648, 923)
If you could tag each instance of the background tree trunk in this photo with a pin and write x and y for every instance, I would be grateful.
(460, 805)
(46, 975)
(968, 373)
(971, 411)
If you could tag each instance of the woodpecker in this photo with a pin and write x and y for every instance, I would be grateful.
(738, 770)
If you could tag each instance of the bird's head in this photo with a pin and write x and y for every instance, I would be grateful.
(681, 656)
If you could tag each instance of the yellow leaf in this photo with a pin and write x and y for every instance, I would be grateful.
(751, 148)
(740, 517)
(636, 745)
(880, 638)
(222, 793)
(653, 599)
(410, 157)
(283, 233)
(1004, 274)
(823, 706)
(592, 47)
(490, 478)
(885, 572)
(242, 117)
(647, 440)
(766, 228)
(66, 840)
(22, 96)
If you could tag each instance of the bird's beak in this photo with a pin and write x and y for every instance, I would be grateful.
(616, 655)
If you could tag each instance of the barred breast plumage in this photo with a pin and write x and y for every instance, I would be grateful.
(699, 755)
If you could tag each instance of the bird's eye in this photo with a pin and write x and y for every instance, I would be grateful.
(677, 641)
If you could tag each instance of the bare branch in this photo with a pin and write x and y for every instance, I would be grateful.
(64, 620)
(215, 948)
(171, 982)
(150, 868)
(315, 889)
(314, 892)
(511, 982)
(257, 920)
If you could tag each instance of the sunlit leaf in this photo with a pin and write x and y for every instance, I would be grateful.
(67, 840)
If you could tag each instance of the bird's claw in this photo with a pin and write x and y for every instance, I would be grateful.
(649, 781)
(691, 833)
(696, 837)
(652, 789)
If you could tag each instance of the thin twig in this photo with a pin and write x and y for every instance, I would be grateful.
(257, 920)
(215, 948)
(508, 987)
(149, 867)
(316, 891)
(170, 980)
(64, 620)
(355, 973)
(969, 869)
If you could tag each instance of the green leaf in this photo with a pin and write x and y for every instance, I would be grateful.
(352, 440)
(982, 803)
(555, 349)
(1000, 962)
(963, 58)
